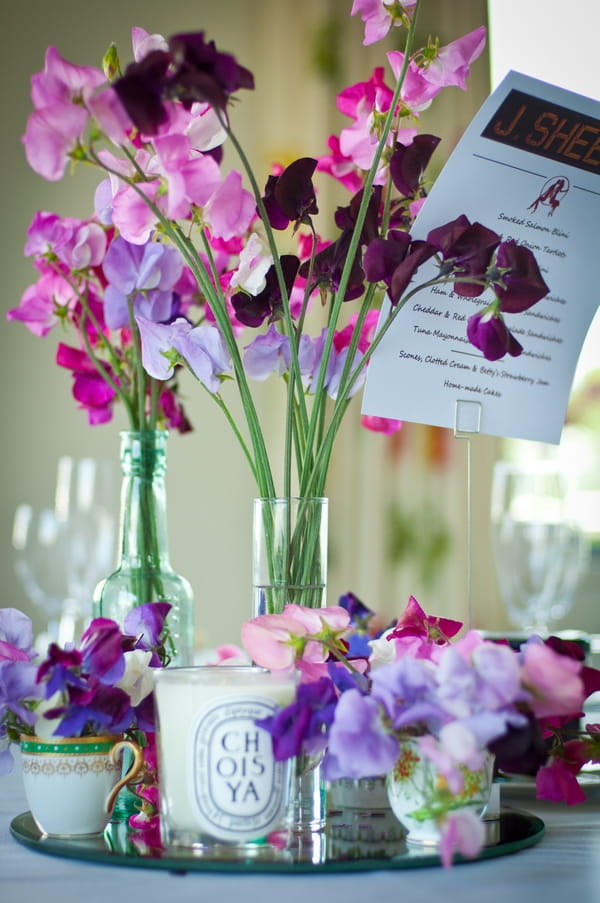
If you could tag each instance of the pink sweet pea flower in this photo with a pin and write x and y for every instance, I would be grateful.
(462, 832)
(40, 302)
(554, 681)
(379, 16)
(383, 425)
(271, 640)
(58, 120)
(231, 208)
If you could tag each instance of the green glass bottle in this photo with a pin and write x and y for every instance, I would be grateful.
(144, 573)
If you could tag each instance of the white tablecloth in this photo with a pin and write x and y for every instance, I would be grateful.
(564, 867)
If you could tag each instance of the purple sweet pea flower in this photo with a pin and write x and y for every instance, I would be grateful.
(487, 331)
(146, 622)
(102, 651)
(359, 745)
(97, 708)
(302, 726)
(58, 670)
(16, 630)
(407, 690)
(522, 286)
(18, 682)
(202, 347)
(145, 274)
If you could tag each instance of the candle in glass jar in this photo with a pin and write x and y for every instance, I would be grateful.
(218, 779)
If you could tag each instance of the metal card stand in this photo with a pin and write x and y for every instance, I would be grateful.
(467, 422)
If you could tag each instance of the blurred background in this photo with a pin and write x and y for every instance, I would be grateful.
(397, 504)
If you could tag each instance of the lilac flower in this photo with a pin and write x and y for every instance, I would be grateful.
(359, 744)
(201, 347)
(407, 690)
(143, 275)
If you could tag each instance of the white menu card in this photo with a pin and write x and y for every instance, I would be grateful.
(528, 167)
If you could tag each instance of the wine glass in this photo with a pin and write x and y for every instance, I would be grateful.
(539, 555)
(62, 552)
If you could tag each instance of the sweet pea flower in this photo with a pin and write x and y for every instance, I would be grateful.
(41, 303)
(102, 652)
(487, 331)
(141, 275)
(557, 781)
(94, 394)
(137, 680)
(359, 745)
(381, 15)
(462, 832)
(554, 680)
(202, 348)
(58, 120)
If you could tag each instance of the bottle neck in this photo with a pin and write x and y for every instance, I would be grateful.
(143, 525)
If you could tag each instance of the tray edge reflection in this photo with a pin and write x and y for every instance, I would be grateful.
(94, 849)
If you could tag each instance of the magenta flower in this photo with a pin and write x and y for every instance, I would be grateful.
(41, 303)
(557, 781)
(90, 390)
(101, 651)
(415, 623)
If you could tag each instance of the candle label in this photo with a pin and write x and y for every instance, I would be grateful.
(238, 788)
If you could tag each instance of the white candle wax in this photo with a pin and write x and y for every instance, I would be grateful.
(218, 778)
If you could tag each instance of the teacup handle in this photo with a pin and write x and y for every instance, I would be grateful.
(136, 767)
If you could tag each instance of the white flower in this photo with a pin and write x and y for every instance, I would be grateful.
(137, 680)
(255, 261)
(382, 651)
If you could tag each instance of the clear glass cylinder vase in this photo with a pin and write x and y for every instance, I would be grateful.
(289, 560)
(144, 573)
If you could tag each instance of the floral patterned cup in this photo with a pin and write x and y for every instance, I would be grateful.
(71, 783)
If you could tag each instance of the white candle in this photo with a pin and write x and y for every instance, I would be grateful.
(217, 775)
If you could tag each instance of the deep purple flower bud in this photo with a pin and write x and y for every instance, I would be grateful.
(521, 750)
(277, 218)
(202, 73)
(346, 217)
(408, 163)
(290, 197)
(329, 265)
(140, 90)
(394, 261)
(487, 331)
(522, 286)
(469, 247)
(253, 310)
